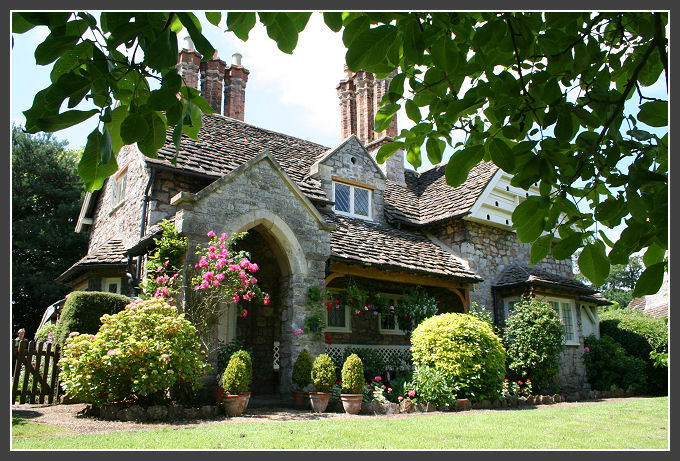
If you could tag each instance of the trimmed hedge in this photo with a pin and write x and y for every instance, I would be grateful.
(239, 373)
(639, 334)
(465, 349)
(82, 312)
(353, 375)
(302, 369)
(323, 373)
(608, 365)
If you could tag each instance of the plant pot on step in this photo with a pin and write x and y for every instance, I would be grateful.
(235, 404)
(319, 401)
(352, 403)
(300, 400)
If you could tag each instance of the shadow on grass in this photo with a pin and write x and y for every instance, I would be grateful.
(24, 414)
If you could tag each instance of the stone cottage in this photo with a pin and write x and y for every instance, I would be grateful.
(323, 216)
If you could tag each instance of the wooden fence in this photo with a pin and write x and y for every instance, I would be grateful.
(35, 372)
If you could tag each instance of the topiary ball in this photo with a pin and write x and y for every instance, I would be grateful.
(353, 375)
(323, 373)
(239, 373)
(465, 349)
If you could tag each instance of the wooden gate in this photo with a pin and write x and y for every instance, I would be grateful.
(35, 372)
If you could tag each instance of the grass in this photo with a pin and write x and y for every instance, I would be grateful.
(623, 424)
(22, 428)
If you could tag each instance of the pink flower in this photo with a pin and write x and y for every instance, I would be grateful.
(389, 389)
(244, 262)
(266, 301)
(383, 387)
(220, 263)
(411, 393)
(236, 298)
(167, 261)
(209, 275)
(244, 313)
(586, 349)
(203, 262)
(216, 283)
(211, 234)
(220, 276)
(242, 275)
(253, 280)
(400, 398)
(377, 378)
(159, 269)
(205, 284)
(212, 256)
(298, 331)
(223, 237)
(165, 356)
(253, 267)
(72, 334)
(212, 248)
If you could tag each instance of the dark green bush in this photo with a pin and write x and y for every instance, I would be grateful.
(607, 365)
(302, 369)
(533, 338)
(640, 335)
(82, 312)
(323, 373)
(353, 375)
(239, 373)
(226, 350)
(465, 349)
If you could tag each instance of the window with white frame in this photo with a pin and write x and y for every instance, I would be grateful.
(567, 312)
(509, 306)
(118, 188)
(111, 285)
(352, 200)
(388, 322)
(338, 318)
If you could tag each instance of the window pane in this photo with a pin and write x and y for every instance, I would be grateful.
(336, 317)
(387, 322)
(361, 201)
(567, 320)
(113, 288)
(342, 197)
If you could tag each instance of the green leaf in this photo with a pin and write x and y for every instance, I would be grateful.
(281, 29)
(20, 24)
(388, 149)
(117, 116)
(650, 280)
(134, 128)
(413, 155)
(155, 138)
(567, 246)
(565, 129)
(593, 263)
(241, 23)
(193, 25)
(371, 47)
(56, 45)
(412, 111)
(654, 254)
(540, 248)
(501, 154)
(163, 51)
(333, 20)
(654, 113)
(105, 147)
(384, 117)
(435, 149)
(213, 17)
(90, 167)
(460, 164)
(64, 120)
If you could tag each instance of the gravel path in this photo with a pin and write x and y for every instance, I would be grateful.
(66, 416)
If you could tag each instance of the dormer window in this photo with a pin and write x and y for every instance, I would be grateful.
(352, 200)
(118, 189)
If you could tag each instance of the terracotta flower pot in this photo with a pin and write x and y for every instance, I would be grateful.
(235, 404)
(352, 403)
(301, 400)
(319, 401)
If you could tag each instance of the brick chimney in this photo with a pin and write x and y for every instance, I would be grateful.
(212, 77)
(188, 64)
(360, 94)
(235, 80)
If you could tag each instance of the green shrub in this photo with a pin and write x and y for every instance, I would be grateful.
(353, 375)
(44, 331)
(302, 369)
(323, 373)
(82, 312)
(137, 355)
(533, 337)
(373, 363)
(464, 349)
(226, 350)
(432, 386)
(238, 375)
(640, 335)
(607, 365)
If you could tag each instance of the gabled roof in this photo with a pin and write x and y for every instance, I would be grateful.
(518, 274)
(225, 143)
(370, 242)
(427, 199)
(350, 140)
(111, 254)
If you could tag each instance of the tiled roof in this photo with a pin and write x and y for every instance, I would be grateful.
(111, 254)
(596, 298)
(427, 198)
(516, 274)
(374, 243)
(225, 143)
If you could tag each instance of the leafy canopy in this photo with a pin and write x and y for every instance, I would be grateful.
(542, 95)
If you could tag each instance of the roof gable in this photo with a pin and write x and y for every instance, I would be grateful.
(352, 144)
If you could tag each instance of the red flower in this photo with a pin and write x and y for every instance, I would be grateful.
(528, 380)
(328, 308)
(336, 301)
(328, 336)
(329, 341)
(377, 378)
(520, 382)
(329, 304)
(506, 380)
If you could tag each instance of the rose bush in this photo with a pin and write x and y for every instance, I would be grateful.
(137, 355)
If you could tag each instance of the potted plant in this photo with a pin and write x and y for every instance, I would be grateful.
(236, 381)
(352, 384)
(323, 378)
(302, 377)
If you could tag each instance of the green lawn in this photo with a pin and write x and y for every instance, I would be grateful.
(626, 424)
(22, 427)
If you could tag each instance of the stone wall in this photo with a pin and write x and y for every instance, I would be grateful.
(257, 194)
(166, 185)
(489, 250)
(122, 221)
(352, 162)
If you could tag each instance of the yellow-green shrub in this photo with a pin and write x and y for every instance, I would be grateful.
(463, 348)
(323, 373)
(353, 375)
(239, 373)
(302, 369)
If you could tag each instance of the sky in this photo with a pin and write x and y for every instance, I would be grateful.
(293, 94)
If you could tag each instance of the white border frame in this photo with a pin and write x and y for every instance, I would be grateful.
(107, 280)
(351, 201)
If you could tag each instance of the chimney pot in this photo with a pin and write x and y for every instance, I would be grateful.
(236, 59)
(188, 43)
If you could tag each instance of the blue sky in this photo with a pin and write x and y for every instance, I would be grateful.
(293, 94)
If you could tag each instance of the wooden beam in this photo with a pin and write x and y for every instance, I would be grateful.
(332, 277)
(352, 182)
(395, 276)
